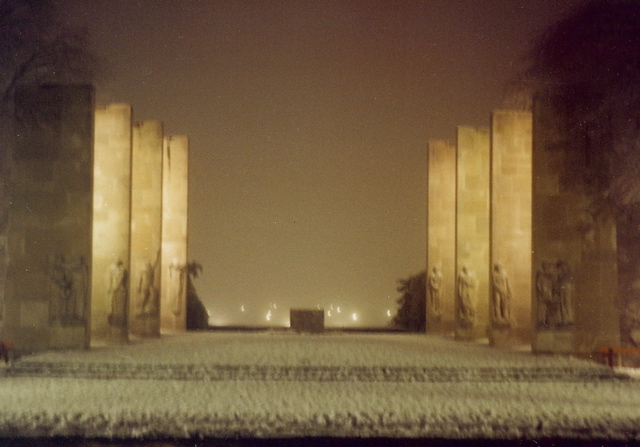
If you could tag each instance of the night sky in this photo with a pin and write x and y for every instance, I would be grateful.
(308, 124)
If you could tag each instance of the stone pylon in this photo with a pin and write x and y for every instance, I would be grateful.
(174, 233)
(111, 223)
(146, 228)
(472, 233)
(510, 303)
(441, 236)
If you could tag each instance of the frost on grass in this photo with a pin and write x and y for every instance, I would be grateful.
(280, 384)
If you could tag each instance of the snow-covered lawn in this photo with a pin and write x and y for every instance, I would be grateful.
(278, 384)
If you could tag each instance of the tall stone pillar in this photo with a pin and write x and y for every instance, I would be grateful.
(47, 294)
(146, 229)
(441, 236)
(174, 233)
(472, 233)
(574, 299)
(111, 223)
(510, 303)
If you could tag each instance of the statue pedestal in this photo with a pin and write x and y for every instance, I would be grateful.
(465, 333)
(146, 325)
(435, 324)
(502, 337)
(560, 341)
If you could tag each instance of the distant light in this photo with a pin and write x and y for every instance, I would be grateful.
(328, 313)
(354, 316)
(275, 306)
(388, 313)
(269, 316)
(339, 309)
(241, 308)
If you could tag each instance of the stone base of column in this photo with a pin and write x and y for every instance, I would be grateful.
(465, 333)
(502, 336)
(118, 331)
(146, 325)
(435, 324)
(557, 341)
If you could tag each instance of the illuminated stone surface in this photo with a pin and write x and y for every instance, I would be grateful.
(441, 232)
(174, 233)
(146, 228)
(472, 228)
(580, 313)
(47, 294)
(511, 223)
(111, 223)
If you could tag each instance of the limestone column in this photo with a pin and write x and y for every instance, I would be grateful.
(441, 236)
(47, 294)
(174, 233)
(510, 303)
(111, 223)
(146, 229)
(472, 233)
(574, 268)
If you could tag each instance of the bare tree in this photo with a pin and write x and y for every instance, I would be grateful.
(37, 48)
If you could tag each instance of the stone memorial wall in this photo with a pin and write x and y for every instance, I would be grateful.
(574, 244)
(49, 237)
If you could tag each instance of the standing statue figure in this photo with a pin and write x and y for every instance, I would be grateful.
(545, 285)
(501, 297)
(117, 291)
(147, 291)
(564, 291)
(465, 293)
(433, 292)
(72, 280)
(178, 288)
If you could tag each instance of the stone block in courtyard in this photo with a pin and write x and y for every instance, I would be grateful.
(306, 320)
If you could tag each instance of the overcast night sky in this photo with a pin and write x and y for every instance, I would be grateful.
(308, 124)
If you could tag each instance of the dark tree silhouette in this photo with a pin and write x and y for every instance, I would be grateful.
(197, 315)
(588, 63)
(411, 312)
(37, 48)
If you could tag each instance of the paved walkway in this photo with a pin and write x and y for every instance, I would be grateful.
(279, 384)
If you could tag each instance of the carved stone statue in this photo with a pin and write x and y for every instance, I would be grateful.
(148, 292)
(554, 293)
(466, 289)
(178, 274)
(433, 292)
(71, 279)
(118, 292)
(564, 290)
(500, 297)
(545, 282)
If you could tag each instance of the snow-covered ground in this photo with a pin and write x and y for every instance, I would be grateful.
(281, 384)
